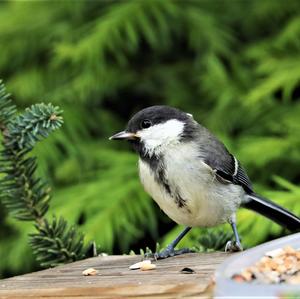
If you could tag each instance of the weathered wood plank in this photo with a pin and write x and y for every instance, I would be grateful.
(115, 280)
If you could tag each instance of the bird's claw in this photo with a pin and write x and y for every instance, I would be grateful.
(233, 246)
(168, 252)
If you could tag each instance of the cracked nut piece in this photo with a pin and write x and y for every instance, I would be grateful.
(89, 272)
(146, 267)
(139, 264)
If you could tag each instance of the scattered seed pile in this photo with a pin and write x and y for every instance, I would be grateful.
(277, 266)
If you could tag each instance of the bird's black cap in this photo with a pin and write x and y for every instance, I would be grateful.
(156, 115)
(152, 116)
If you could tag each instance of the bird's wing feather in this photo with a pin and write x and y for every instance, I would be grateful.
(235, 174)
(226, 166)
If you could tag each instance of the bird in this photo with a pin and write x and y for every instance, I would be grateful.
(192, 176)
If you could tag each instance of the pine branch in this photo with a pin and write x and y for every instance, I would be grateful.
(213, 240)
(37, 122)
(56, 244)
(25, 196)
(7, 109)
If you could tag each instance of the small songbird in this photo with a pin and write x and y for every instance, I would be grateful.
(192, 176)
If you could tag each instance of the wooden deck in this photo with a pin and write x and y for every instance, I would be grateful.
(115, 280)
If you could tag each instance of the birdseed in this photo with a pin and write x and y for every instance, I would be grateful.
(90, 272)
(281, 265)
(139, 265)
(146, 267)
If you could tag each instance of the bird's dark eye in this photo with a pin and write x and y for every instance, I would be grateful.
(146, 123)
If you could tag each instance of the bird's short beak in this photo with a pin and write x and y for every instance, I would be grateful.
(124, 136)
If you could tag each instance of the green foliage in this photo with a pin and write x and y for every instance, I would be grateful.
(235, 66)
(56, 244)
(213, 240)
(25, 196)
(37, 121)
(7, 109)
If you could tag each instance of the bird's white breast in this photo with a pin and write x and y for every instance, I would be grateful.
(208, 202)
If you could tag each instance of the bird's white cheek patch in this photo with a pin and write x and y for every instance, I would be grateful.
(161, 135)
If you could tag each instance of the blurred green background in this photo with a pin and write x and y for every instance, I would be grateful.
(234, 64)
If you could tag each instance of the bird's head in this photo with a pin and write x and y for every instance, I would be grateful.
(152, 130)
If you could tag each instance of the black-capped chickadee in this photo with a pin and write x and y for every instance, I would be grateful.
(192, 176)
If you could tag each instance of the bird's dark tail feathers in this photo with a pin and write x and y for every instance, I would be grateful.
(273, 211)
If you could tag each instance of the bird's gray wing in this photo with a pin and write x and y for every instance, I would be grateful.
(226, 166)
(231, 171)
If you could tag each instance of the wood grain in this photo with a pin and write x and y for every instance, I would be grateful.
(115, 280)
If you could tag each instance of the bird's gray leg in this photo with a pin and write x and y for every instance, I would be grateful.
(170, 249)
(233, 246)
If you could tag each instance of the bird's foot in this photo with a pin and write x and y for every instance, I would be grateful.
(168, 252)
(171, 252)
(233, 246)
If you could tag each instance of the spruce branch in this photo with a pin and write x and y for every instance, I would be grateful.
(55, 243)
(7, 109)
(213, 240)
(37, 122)
(25, 196)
